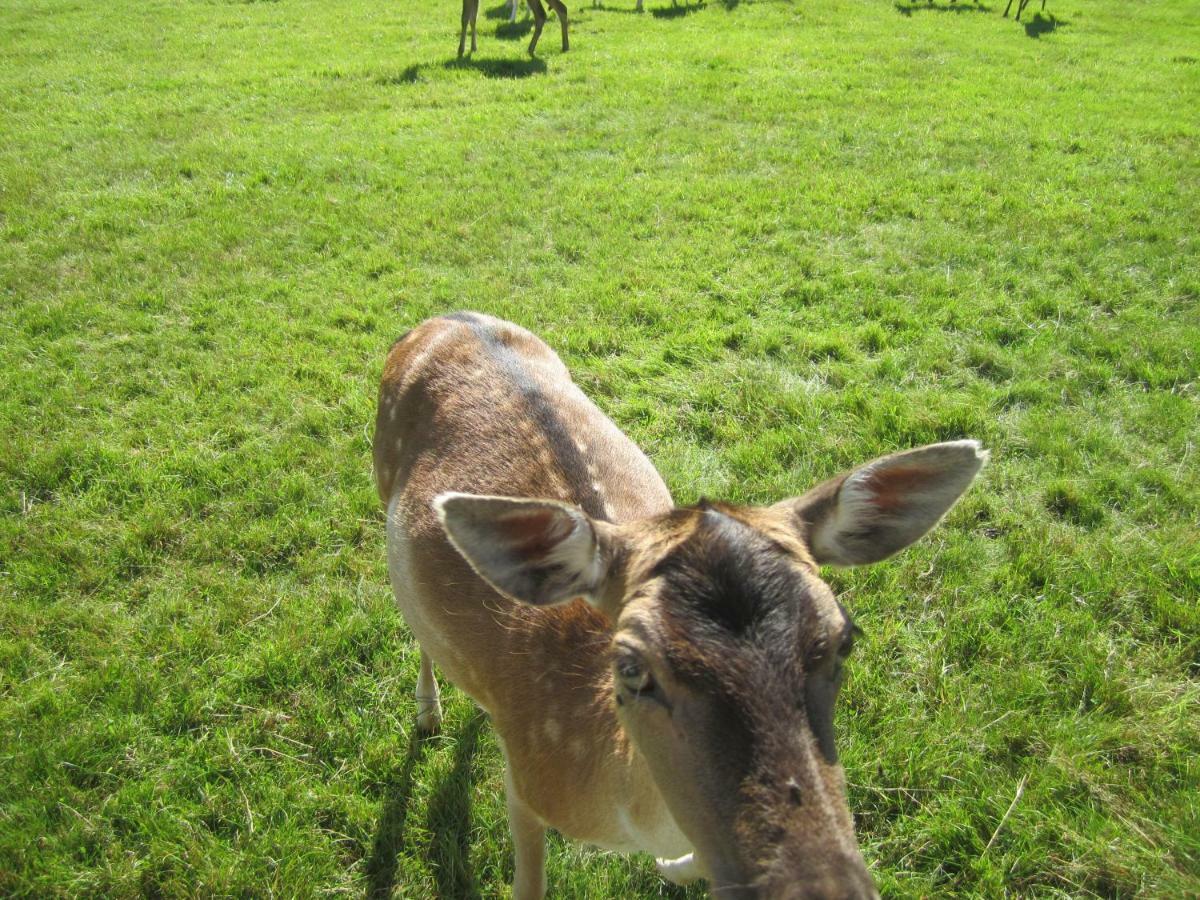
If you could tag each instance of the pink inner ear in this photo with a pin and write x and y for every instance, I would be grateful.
(534, 533)
(891, 488)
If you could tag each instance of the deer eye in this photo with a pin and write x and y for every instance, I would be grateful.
(633, 674)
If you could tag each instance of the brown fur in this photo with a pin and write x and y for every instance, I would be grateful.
(690, 702)
(460, 423)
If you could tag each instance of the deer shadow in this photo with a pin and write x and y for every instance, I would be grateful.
(907, 9)
(1039, 25)
(630, 10)
(674, 11)
(410, 75)
(499, 68)
(488, 68)
(513, 31)
(389, 835)
(448, 820)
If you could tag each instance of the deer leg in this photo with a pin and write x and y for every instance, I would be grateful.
(512, 11)
(639, 5)
(559, 7)
(474, 16)
(462, 35)
(529, 846)
(539, 19)
(1006, 9)
(429, 698)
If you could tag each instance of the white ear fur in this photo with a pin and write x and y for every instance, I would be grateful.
(540, 552)
(886, 505)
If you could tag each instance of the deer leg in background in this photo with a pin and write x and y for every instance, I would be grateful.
(559, 7)
(469, 13)
(462, 35)
(539, 19)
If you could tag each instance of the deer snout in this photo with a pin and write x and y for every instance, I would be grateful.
(835, 877)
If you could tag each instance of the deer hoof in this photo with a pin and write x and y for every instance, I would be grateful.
(679, 871)
(429, 717)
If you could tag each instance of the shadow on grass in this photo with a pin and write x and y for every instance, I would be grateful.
(676, 12)
(511, 31)
(499, 68)
(497, 12)
(1039, 25)
(449, 820)
(389, 838)
(489, 68)
(411, 75)
(907, 9)
(600, 7)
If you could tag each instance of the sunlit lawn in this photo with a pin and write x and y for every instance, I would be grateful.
(772, 239)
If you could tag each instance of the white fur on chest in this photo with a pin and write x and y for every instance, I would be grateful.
(659, 836)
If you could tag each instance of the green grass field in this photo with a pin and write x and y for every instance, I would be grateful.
(772, 239)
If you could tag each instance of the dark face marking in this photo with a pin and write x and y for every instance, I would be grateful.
(733, 597)
(756, 640)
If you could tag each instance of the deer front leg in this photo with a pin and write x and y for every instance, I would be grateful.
(529, 846)
(429, 698)
(559, 7)
(474, 16)
(539, 19)
(512, 10)
(679, 871)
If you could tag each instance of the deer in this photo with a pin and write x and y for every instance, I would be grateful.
(659, 678)
(470, 12)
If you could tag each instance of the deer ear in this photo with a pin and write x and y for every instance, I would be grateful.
(539, 552)
(879, 509)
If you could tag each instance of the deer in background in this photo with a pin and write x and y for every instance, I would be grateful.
(660, 679)
(470, 12)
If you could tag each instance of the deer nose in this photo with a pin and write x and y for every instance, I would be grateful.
(833, 878)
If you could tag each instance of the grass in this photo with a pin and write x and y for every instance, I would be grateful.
(772, 239)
